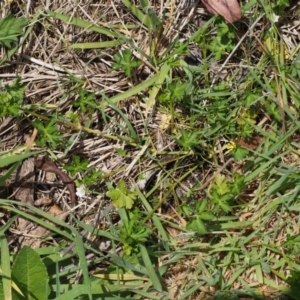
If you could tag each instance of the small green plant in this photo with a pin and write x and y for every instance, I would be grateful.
(245, 121)
(85, 101)
(237, 151)
(223, 191)
(292, 244)
(48, 133)
(77, 165)
(91, 177)
(174, 92)
(197, 215)
(121, 196)
(272, 109)
(224, 41)
(219, 110)
(133, 231)
(125, 62)
(188, 140)
(11, 99)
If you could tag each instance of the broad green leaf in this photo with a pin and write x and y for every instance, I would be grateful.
(201, 206)
(206, 216)
(30, 274)
(121, 196)
(10, 29)
(24, 36)
(239, 153)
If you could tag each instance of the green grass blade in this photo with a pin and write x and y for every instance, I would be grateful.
(144, 19)
(161, 77)
(6, 269)
(84, 24)
(133, 91)
(8, 159)
(150, 269)
(83, 263)
(98, 45)
(155, 219)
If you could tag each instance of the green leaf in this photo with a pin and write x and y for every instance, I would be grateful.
(153, 275)
(247, 130)
(10, 29)
(201, 206)
(91, 177)
(220, 184)
(239, 153)
(250, 97)
(188, 140)
(293, 280)
(217, 48)
(11, 98)
(121, 196)
(77, 166)
(222, 28)
(273, 110)
(48, 134)
(143, 18)
(85, 100)
(185, 209)
(224, 40)
(221, 201)
(237, 186)
(197, 225)
(177, 89)
(30, 274)
(1, 291)
(125, 62)
(206, 216)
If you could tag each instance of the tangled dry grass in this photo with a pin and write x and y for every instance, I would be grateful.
(53, 71)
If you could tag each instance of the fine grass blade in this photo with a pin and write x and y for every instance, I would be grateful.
(150, 269)
(84, 24)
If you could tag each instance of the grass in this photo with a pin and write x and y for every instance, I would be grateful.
(181, 132)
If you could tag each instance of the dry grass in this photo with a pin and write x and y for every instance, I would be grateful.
(53, 72)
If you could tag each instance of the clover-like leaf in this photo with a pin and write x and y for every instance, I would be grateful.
(121, 196)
